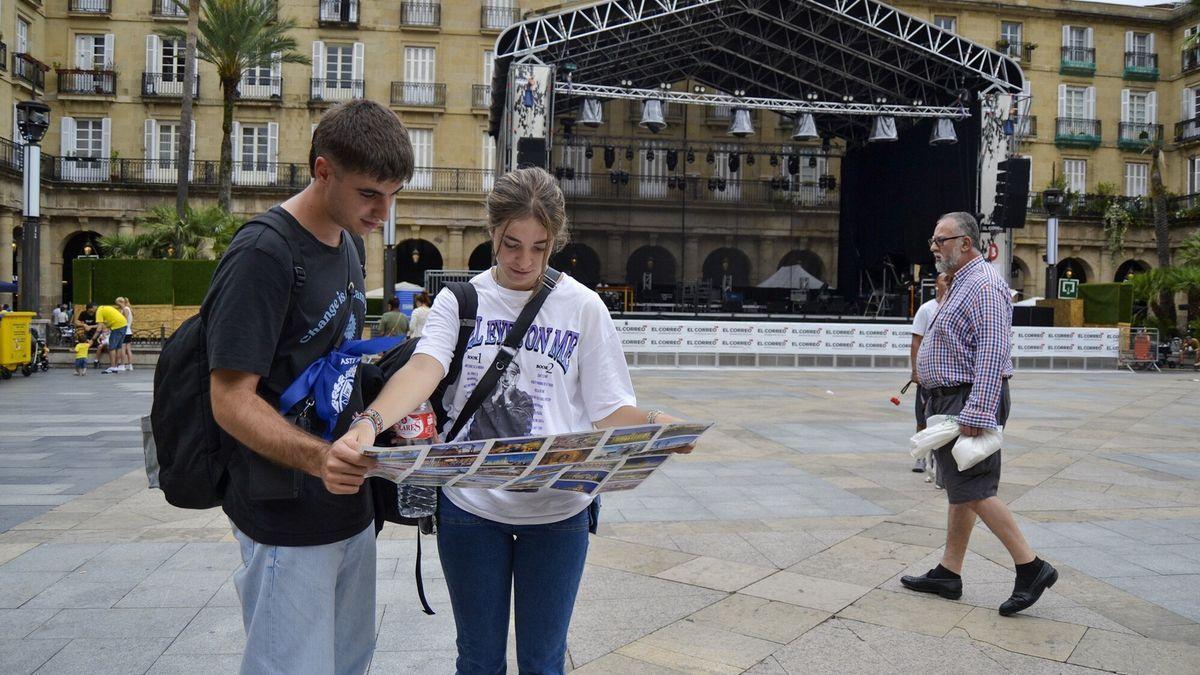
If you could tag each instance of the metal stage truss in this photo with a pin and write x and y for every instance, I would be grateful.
(840, 59)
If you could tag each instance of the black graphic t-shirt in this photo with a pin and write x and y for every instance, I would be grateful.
(254, 325)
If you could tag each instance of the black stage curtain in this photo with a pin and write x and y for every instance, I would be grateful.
(892, 194)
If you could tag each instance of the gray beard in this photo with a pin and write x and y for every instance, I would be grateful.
(941, 266)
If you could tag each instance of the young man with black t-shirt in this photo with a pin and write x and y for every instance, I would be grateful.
(305, 527)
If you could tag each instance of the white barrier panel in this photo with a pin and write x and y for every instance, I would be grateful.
(824, 339)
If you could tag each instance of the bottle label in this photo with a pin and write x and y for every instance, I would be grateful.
(417, 426)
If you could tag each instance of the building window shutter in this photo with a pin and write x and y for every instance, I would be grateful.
(153, 48)
(359, 60)
(105, 139)
(1150, 43)
(1124, 105)
(83, 52)
(1062, 100)
(273, 149)
(1128, 41)
(67, 137)
(236, 151)
(1090, 103)
(318, 69)
(1152, 107)
(110, 41)
(1088, 34)
(1066, 36)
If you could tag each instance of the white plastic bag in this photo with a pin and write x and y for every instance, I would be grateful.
(971, 450)
(939, 430)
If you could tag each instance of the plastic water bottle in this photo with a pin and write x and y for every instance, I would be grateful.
(419, 428)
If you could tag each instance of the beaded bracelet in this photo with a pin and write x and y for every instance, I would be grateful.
(370, 415)
(652, 415)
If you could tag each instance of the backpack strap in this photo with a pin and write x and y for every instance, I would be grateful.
(508, 351)
(468, 307)
(276, 222)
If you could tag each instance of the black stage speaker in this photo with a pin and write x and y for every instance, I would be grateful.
(531, 152)
(1033, 316)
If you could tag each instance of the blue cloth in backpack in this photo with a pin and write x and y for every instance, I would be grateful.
(328, 381)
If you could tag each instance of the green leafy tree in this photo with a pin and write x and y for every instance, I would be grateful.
(200, 234)
(185, 110)
(1162, 229)
(235, 35)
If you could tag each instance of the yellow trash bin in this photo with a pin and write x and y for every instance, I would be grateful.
(15, 343)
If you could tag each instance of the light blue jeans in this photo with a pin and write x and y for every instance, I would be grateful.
(308, 609)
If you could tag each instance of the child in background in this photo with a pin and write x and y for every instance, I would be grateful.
(82, 346)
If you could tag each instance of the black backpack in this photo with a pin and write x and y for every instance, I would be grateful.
(193, 451)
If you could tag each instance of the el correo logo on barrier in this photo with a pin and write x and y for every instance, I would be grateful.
(1061, 336)
(1090, 335)
(840, 344)
(806, 331)
(739, 330)
(700, 329)
(634, 329)
(702, 343)
(845, 332)
(1089, 348)
(806, 343)
(667, 341)
(634, 341)
(773, 343)
(666, 329)
(773, 331)
(873, 344)
(874, 332)
(738, 343)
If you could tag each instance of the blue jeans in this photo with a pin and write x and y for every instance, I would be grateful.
(308, 609)
(483, 560)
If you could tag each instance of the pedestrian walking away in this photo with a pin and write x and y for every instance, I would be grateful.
(503, 550)
(965, 362)
(921, 323)
(393, 322)
(288, 290)
(416, 323)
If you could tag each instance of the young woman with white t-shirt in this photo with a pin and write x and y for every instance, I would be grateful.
(493, 541)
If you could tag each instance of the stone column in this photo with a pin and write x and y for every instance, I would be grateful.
(692, 262)
(374, 261)
(456, 259)
(6, 253)
(125, 227)
(614, 262)
(51, 283)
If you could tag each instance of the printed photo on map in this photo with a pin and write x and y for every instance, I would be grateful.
(481, 481)
(584, 486)
(528, 444)
(565, 457)
(646, 462)
(460, 448)
(516, 459)
(447, 462)
(632, 434)
(396, 455)
(579, 441)
(619, 450)
(664, 444)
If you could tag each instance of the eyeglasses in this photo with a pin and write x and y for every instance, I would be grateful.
(938, 241)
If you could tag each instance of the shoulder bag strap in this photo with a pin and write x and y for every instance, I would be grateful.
(512, 343)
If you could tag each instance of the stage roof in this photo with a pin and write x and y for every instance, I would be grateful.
(768, 48)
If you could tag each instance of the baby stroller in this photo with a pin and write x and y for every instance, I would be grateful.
(40, 356)
(65, 334)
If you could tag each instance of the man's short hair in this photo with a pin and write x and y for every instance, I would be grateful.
(966, 224)
(364, 137)
(393, 302)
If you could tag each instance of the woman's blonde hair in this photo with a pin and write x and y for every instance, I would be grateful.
(530, 192)
(122, 301)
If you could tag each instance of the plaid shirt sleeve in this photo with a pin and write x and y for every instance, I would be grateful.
(991, 316)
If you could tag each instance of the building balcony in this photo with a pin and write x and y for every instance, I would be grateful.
(1025, 127)
(89, 6)
(1017, 51)
(87, 82)
(260, 89)
(336, 90)
(421, 14)
(1076, 132)
(498, 17)
(1187, 131)
(1082, 206)
(3, 58)
(338, 14)
(1141, 66)
(30, 71)
(481, 96)
(166, 85)
(1190, 59)
(419, 94)
(1078, 61)
(1137, 135)
(168, 9)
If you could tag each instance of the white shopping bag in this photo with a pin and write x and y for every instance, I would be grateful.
(971, 450)
(939, 430)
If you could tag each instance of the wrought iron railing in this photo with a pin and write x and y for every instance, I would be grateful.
(76, 81)
(1067, 127)
(338, 13)
(1013, 49)
(260, 89)
(1188, 130)
(335, 89)
(30, 70)
(1079, 56)
(1190, 59)
(1025, 126)
(498, 17)
(481, 96)
(89, 6)
(1141, 61)
(1138, 133)
(167, 85)
(168, 9)
(419, 94)
(421, 14)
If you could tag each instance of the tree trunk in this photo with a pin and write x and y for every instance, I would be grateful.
(1162, 235)
(183, 172)
(225, 191)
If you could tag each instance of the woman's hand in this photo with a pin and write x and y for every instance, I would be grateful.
(345, 467)
(664, 418)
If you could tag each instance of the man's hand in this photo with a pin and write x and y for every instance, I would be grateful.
(970, 432)
(913, 377)
(345, 467)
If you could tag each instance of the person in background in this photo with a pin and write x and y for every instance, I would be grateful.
(416, 325)
(393, 322)
(82, 346)
(117, 326)
(56, 315)
(126, 347)
(86, 321)
(921, 323)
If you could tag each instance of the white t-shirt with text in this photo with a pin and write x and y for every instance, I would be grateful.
(924, 317)
(569, 373)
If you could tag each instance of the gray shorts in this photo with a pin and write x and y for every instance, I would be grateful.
(982, 480)
(922, 395)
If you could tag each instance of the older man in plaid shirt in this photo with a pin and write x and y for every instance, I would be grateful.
(964, 362)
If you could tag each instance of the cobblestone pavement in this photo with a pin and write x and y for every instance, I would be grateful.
(776, 548)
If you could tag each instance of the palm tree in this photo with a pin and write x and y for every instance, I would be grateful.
(235, 35)
(197, 235)
(1162, 230)
(185, 113)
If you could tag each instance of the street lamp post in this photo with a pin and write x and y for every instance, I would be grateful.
(33, 119)
(1052, 199)
(389, 256)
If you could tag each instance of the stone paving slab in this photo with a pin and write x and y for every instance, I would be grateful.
(776, 548)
